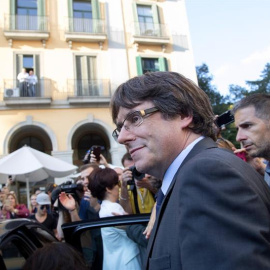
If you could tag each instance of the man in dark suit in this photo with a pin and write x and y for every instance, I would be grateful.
(215, 213)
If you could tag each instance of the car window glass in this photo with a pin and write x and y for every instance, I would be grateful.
(119, 246)
(42, 235)
(12, 257)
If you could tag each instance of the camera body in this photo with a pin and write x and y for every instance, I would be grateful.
(224, 119)
(135, 175)
(96, 149)
(69, 188)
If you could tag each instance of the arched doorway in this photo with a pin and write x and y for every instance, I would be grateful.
(36, 138)
(84, 137)
(32, 136)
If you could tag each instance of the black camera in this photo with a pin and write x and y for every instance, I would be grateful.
(224, 119)
(96, 149)
(69, 188)
(135, 175)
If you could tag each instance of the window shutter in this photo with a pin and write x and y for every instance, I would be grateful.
(96, 17)
(41, 7)
(139, 65)
(41, 15)
(19, 66)
(156, 20)
(70, 15)
(36, 65)
(163, 64)
(12, 19)
(95, 9)
(136, 20)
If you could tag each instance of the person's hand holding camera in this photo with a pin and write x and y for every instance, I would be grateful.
(67, 201)
(102, 160)
(126, 176)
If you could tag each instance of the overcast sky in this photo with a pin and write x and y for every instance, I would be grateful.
(232, 37)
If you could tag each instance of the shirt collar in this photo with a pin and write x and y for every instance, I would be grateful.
(171, 171)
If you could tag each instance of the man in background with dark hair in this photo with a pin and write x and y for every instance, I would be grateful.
(215, 208)
(252, 120)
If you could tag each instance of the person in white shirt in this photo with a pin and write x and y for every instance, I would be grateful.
(120, 252)
(32, 83)
(23, 81)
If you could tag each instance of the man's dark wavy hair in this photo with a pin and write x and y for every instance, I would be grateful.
(261, 103)
(173, 95)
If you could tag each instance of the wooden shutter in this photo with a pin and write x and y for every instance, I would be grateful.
(139, 65)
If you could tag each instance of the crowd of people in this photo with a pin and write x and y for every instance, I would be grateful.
(209, 202)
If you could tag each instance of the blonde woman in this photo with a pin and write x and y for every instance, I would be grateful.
(12, 209)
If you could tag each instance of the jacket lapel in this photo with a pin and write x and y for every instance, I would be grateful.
(204, 144)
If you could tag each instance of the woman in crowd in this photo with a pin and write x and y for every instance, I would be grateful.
(120, 252)
(33, 203)
(11, 208)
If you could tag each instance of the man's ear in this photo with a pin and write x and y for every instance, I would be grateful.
(108, 190)
(186, 121)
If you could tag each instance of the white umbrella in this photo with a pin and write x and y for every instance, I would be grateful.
(30, 165)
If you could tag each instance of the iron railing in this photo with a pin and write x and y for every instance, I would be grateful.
(26, 23)
(150, 30)
(89, 88)
(15, 89)
(86, 26)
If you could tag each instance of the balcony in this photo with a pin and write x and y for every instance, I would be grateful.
(89, 91)
(150, 33)
(85, 30)
(26, 27)
(24, 94)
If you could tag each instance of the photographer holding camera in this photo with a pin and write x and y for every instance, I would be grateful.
(137, 190)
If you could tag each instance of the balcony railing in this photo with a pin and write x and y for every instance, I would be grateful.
(26, 23)
(85, 26)
(13, 89)
(89, 89)
(155, 30)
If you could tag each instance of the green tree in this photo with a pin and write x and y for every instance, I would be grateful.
(237, 92)
(262, 85)
(205, 83)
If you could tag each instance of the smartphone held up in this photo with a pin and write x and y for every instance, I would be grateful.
(224, 119)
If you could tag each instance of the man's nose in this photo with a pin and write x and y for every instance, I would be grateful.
(124, 136)
(240, 136)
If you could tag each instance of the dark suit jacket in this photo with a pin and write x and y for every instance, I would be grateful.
(215, 215)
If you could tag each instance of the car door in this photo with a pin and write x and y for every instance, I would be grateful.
(19, 239)
(107, 239)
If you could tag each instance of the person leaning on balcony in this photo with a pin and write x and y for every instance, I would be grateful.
(23, 80)
(32, 82)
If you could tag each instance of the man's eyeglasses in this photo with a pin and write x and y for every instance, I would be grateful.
(133, 119)
(43, 206)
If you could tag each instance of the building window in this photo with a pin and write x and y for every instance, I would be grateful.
(30, 86)
(87, 84)
(26, 11)
(151, 64)
(145, 18)
(84, 16)
(147, 22)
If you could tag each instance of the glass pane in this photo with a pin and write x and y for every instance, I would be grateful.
(82, 6)
(32, 142)
(150, 65)
(28, 61)
(27, 3)
(12, 257)
(21, 11)
(144, 11)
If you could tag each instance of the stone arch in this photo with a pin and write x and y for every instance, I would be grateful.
(102, 128)
(27, 126)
